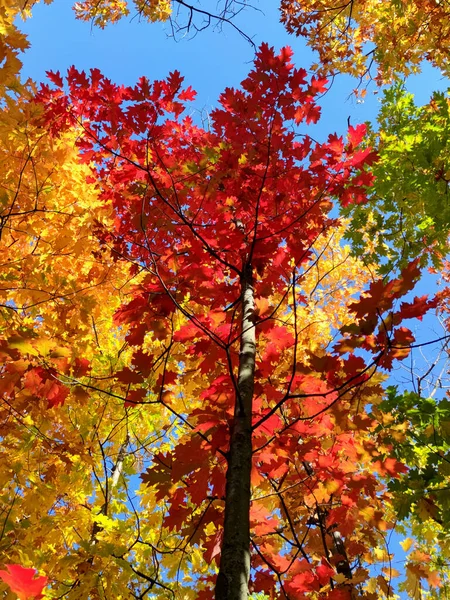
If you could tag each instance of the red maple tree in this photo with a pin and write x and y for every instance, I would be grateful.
(220, 224)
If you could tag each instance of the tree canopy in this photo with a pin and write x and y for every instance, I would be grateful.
(202, 326)
(393, 37)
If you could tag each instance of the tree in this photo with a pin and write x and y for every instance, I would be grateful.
(231, 344)
(418, 424)
(407, 214)
(57, 298)
(395, 36)
(407, 218)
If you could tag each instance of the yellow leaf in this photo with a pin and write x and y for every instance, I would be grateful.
(407, 544)
(332, 486)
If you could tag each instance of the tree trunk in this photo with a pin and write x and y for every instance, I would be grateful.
(232, 581)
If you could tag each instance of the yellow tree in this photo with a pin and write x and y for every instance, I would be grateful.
(393, 37)
(67, 445)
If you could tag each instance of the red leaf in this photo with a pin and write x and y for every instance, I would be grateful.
(188, 94)
(186, 333)
(261, 520)
(303, 582)
(340, 594)
(55, 77)
(135, 397)
(167, 378)
(356, 134)
(81, 367)
(335, 144)
(318, 86)
(415, 309)
(56, 395)
(389, 467)
(213, 547)
(44, 384)
(381, 296)
(324, 572)
(126, 375)
(24, 582)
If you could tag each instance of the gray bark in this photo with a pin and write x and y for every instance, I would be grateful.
(234, 573)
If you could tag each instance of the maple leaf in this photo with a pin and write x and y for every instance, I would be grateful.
(405, 133)
(390, 466)
(318, 85)
(23, 582)
(303, 582)
(356, 134)
(324, 572)
(81, 367)
(213, 547)
(55, 78)
(187, 95)
(340, 594)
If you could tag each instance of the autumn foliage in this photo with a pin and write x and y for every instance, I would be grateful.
(380, 40)
(190, 215)
(193, 362)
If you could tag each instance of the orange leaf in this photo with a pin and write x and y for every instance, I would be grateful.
(23, 582)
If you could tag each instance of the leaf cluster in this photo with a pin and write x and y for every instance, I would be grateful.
(393, 37)
(408, 214)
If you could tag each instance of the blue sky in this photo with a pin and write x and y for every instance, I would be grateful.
(210, 62)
